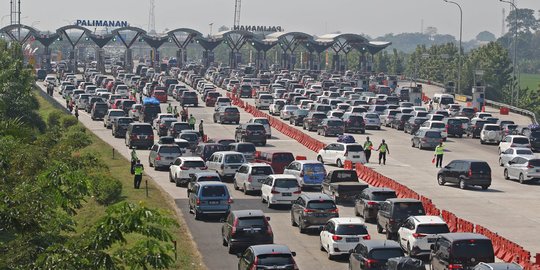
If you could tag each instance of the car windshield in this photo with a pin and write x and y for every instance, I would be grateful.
(466, 249)
(385, 254)
(447, 100)
(262, 170)
(189, 137)
(495, 128)
(372, 116)
(142, 129)
(535, 134)
(125, 120)
(520, 140)
(245, 148)
(321, 205)
(354, 148)
(275, 259)
(454, 122)
(170, 150)
(534, 162)
(480, 166)
(255, 128)
(234, 158)
(265, 97)
(283, 158)
(437, 125)
(231, 110)
(433, 134)
(214, 191)
(189, 94)
(335, 123)
(352, 229)
(225, 100)
(524, 152)
(432, 229)
(262, 121)
(383, 195)
(247, 222)
(407, 209)
(209, 178)
(420, 121)
(116, 113)
(286, 183)
(193, 163)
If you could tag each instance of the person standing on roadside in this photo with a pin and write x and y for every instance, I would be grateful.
(383, 150)
(77, 112)
(192, 122)
(184, 114)
(368, 146)
(169, 109)
(175, 111)
(201, 130)
(138, 171)
(134, 159)
(439, 152)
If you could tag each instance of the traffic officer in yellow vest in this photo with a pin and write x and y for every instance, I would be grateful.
(368, 146)
(192, 122)
(383, 150)
(134, 159)
(139, 169)
(170, 109)
(439, 152)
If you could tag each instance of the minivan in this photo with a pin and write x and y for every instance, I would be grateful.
(225, 163)
(139, 135)
(460, 251)
(310, 173)
(246, 148)
(277, 159)
(466, 173)
(209, 198)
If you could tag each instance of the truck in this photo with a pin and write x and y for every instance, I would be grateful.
(342, 185)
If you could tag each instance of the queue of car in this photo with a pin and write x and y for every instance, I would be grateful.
(280, 179)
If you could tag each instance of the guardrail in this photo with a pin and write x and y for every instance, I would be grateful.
(490, 103)
(505, 249)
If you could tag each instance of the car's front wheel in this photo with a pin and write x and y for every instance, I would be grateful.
(440, 180)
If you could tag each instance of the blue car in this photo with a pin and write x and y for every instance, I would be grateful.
(210, 198)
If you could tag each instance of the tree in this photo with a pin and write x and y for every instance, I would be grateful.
(486, 36)
(430, 31)
(526, 21)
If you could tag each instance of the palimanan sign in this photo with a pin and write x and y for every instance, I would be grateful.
(258, 28)
(102, 23)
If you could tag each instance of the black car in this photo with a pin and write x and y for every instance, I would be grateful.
(267, 257)
(331, 127)
(354, 123)
(99, 110)
(413, 124)
(466, 173)
(312, 210)
(400, 120)
(245, 91)
(534, 139)
(475, 127)
(367, 203)
(189, 98)
(205, 150)
(374, 254)
(454, 127)
(140, 135)
(251, 132)
(313, 120)
(297, 117)
(177, 127)
(393, 212)
(226, 114)
(244, 228)
(120, 126)
(460, 251)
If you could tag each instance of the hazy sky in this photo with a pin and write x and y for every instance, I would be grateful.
(374, 18)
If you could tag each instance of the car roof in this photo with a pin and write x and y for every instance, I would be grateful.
(347, 220)
(191, 158)
(517, 136)
(428, 219)
(268, 249)
(502, 266)
(258, 164)
(470, 160)
(463, 236)
(398, 200)
(308, 161)
(228, 152)
(212, 183)
(248, 213)
(200, 174)
(379, 189)
(315, 196)
(283, 176)
(378, 244)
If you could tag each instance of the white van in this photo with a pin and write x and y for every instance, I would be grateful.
(225, 163)
(443, 101)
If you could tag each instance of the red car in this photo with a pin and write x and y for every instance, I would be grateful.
(160, 95)
(116, 104)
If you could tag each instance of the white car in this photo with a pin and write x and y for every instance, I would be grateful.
(522, 169)
(340, 235)
(512, 152)
(338, 153)
(225, 163)
(263, 101)
(514, 141)
(50, 79)
(274, 107)
(250, 176)
(287, 111)
(280, 189)
(158, 118)
(111, 113)
(437, 125)
(183, 168)
(491, 133)
(263, 121)
(418, 233)
(223, 101)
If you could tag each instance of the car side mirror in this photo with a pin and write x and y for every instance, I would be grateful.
(351, 251)
(321, 228)
(510, 162)
(238, 255)
(447, 167)
(432, 247)
(293, 253)
(267, 218)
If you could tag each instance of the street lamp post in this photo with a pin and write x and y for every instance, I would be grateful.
(460, 39)
(515, 52)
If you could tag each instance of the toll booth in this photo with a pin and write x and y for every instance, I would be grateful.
(478, 97)
(415, 95)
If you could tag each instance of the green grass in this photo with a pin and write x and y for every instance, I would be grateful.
(532, 81)
(188, 256)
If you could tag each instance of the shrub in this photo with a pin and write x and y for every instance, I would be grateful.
(68, 121)
(105, 188)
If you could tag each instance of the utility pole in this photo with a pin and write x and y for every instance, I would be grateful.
(15, 15)
(514, 63)
(152, 17)
(460, 39)
(237, 8)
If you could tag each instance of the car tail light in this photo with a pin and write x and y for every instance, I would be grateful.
(512, 145)
(230, 201)
(151, 137)
(302, 174)
(372, 203)
(274, 191)
(184, 168)
(308, 210)
(133, 137)
(268, 227)
(233, 229)
(335, 210)
(392, 221)
(198, 202)
(158, 157)
(162, 125)
(370, 262)
(222, 166)
(424, 139)
(336, 237)
(418, 235)
(529, 165)
(298, 191)
(250, 179)
(470, 173)
(455, 266)
(366, 237)
(346, 153)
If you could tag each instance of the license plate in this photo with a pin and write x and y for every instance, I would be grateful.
(356, 156)
(320, 215)
(286, 194)
(537, 170)
(352, 239)
(142, 137)
(260, 180)
(431, 240)
(213, 202)
(169, 158)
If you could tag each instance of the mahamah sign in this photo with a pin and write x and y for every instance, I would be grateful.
(103, 23)
(258, 28)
